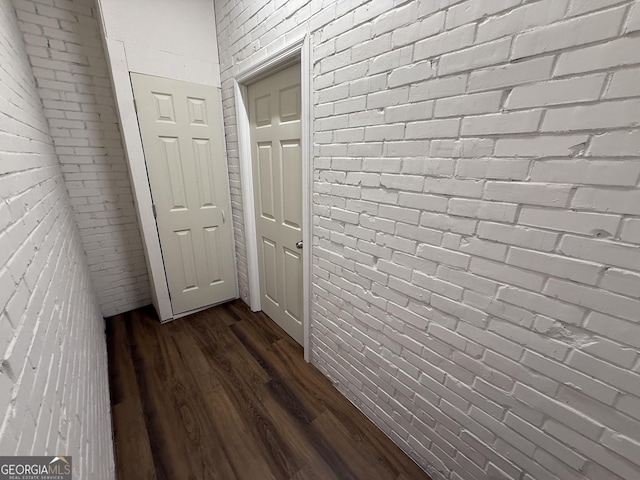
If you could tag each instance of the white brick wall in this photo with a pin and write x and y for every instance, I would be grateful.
(476, 251)
(63, 41)
(54, 396)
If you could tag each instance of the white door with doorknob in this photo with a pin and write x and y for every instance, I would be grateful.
(183, 140)
(276, 154)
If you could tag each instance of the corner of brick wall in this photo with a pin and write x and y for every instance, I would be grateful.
(63, 41)
(476, 250)
(54, 394)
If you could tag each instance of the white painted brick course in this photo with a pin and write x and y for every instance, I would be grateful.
(599, 300)
(570, 221)
(438, 128)
(468, 105)
(619, 330)
(505, 274)
(467, 12)
(510, 74)
(616, 144)
(541, 304)
(602, 251)
(613, 114)
(415, 31)
(499, 169)
(633, 20)
(580, 8)
(501, 123)
(581, 30)
(522, 18)
(555, 265)
(445, 42)
(528, 193)
(500, 212)
(540, 146)
(623, 51)
(607, 350)
(608, 200)
(592, 171)
(623, 84)
(475, 57)
(415, 111)
(54, 394)
(631, 230)
(475, 221)
(555, 92)
(465, 147)
(621, 281)
(438, 88)
(482, 248)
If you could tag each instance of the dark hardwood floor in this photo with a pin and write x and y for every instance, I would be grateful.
(225, 394)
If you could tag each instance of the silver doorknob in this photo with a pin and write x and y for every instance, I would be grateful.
(299, 244)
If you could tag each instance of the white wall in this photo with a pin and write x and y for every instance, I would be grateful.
(64, 45)
(166, 39)
(477, 223)
(54, 396)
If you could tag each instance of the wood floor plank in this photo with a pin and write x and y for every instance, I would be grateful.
(249, 450)
(130, 431)
(279, 357)
(169, 453)
(352, 428)
(357, 453)
(226, 394)
(282, 418)
(182, 445)
(389, 454)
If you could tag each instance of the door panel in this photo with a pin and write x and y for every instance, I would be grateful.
(164, 108)
(289, 99)
(292, 179)
(274, 117)
(173, 170)
(212, 240)
(269, 265)
(265, 175)
(262, 111)
(292, 282)
(182, 137)
(197, 111)
(204, 169)
(185, 240)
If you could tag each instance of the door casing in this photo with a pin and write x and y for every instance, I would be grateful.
(298, 50)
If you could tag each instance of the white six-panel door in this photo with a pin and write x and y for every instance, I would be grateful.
(182, 136)
(274, 117)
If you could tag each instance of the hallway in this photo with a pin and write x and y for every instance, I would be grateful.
(469, 212)
(226, 394)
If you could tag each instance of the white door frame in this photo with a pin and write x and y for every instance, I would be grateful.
(297, 50)
(123, 90)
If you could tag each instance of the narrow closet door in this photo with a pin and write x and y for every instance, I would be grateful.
(182, 136)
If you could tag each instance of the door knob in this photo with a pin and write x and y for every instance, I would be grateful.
(299, 244)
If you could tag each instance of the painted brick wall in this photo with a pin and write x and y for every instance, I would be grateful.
(54, 396)
(63, 41)
(477, 223)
